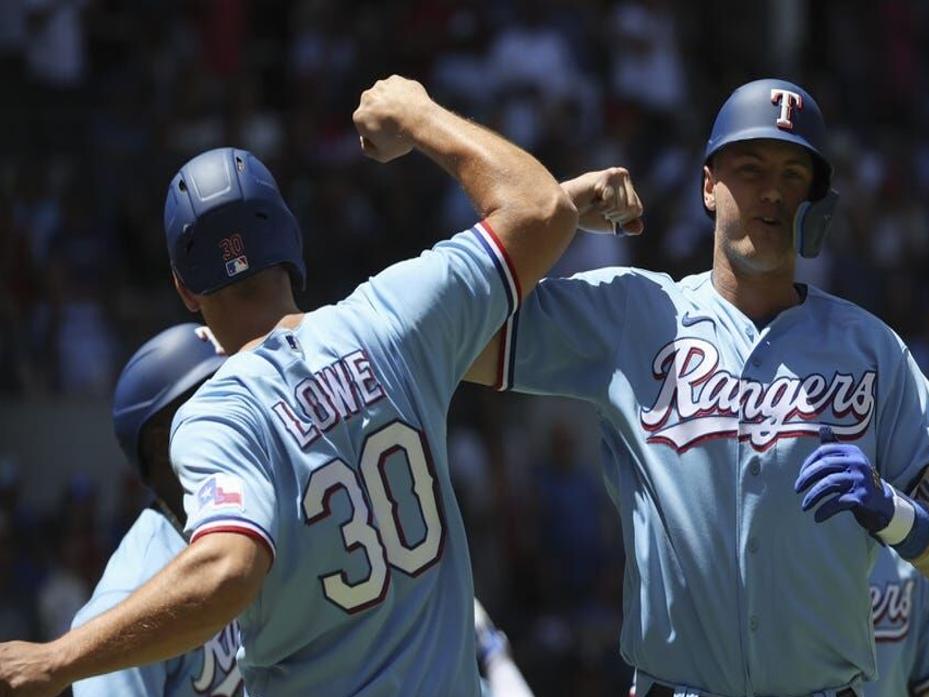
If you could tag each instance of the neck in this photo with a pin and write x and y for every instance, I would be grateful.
(238, 325)
(758, 295)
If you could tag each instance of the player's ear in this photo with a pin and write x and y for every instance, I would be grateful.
(709, 188)
(189, 299)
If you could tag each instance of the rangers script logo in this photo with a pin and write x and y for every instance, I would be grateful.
(890, 610)
(220, 675)
(698, 401)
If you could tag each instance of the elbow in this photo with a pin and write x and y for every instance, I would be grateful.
(567, 213)
(239, 583)
(234, 567)
(556, 211)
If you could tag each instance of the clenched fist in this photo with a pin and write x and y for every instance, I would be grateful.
(604, 199)
(26, 671)
(385, 115)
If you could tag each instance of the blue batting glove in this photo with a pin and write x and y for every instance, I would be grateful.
(843, 477)
(490, 641)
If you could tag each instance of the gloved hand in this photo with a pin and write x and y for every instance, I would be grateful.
(842, 475)
(491, 642)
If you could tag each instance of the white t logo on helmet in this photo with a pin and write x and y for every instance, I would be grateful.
(788, 100)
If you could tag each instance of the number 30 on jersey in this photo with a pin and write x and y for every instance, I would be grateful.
(376, 528)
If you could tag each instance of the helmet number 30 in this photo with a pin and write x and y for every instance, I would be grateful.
(375, 521)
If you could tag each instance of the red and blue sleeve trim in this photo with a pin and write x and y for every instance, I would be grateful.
(506, 360)
(236, 525)
(497, 252)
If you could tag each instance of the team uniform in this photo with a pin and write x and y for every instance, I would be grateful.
(900, 611)
(147, 547)
(730, 588)
(327, 443)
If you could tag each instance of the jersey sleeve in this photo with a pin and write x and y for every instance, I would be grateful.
(219, 452)
(565, 333)
(444, 306)
(142, 681)
(903, 426)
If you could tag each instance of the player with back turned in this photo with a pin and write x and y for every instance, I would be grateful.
(712, 393)
(314, 463)
(162, 375)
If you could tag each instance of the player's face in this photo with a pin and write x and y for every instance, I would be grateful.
(755, 188)
(154, 449)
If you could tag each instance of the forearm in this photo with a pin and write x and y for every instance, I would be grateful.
(179, 609)
(493, 171)
(528, 210)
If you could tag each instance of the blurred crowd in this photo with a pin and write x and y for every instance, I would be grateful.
(105, 99)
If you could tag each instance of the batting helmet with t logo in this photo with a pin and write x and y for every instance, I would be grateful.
(780, 110)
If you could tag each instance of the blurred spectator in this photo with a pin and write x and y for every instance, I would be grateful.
(56, 48)
(531, 54)
(16, 621)
(80, 263)
(570, 504)
(64, 591)
(78, 559)
(647, 66)
(24, 530)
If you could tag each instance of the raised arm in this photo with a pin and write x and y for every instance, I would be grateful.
(532, 216)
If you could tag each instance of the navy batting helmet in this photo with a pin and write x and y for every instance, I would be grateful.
(165, 367)
(780, 110)
(225, 220)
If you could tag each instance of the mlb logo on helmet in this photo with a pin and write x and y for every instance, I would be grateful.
(236, 266)
(233, 249)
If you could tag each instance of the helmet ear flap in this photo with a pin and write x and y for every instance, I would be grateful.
(811, 224)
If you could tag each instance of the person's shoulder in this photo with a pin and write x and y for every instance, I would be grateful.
(234, 387)
(147, 547)
(696, 282)
(831, 309)
(613, 276)
(152, 538)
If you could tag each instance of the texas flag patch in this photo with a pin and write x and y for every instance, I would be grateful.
(221, 492)
(236, 266)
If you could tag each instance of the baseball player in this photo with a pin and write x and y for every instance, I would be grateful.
(900, 612)
(317, 493)
(158, 378)
(711, 392)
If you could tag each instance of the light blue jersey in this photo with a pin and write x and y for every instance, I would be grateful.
(327, 443)
(900, 612)
(149, 545)
(729, 586)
